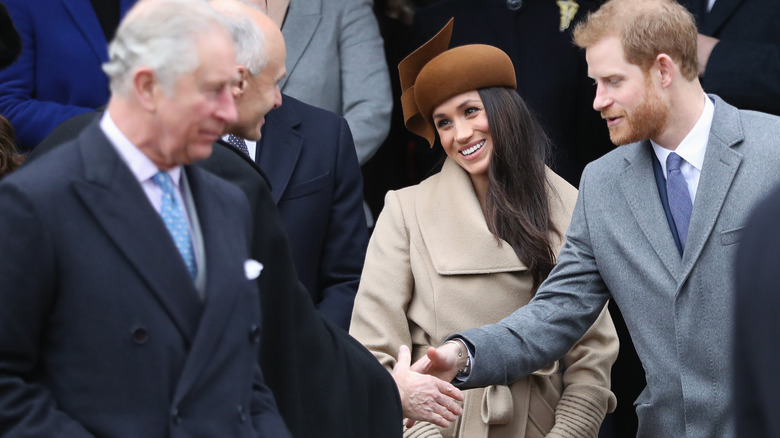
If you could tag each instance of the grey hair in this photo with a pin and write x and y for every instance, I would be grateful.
(162, 37)
(250, 45)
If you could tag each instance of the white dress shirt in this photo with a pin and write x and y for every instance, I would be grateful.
(691, 149)
(144, 170)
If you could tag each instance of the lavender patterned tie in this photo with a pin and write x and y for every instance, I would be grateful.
(679, 199)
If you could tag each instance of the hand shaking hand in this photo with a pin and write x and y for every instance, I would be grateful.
(427, 397)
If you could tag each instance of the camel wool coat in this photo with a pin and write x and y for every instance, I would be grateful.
(433, 268)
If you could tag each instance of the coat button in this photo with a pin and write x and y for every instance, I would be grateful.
(140, 335)
(175, 417)
(254, 334)
(241, 414)
(514, 5)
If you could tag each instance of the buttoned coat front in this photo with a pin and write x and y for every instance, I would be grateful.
(433, 267)
(102, 332)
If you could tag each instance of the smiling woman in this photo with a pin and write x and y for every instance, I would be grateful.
(470, 245)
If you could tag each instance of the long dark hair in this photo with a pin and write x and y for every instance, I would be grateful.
(517, 205)
(10, 159)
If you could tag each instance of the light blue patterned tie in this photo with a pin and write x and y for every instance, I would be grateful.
(679, 197)
(174, 218)
(239, 143)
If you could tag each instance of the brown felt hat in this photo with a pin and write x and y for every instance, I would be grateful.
(432, 74)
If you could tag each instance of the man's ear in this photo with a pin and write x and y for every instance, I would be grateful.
(666, 68)
(146, 88)
(239, 87)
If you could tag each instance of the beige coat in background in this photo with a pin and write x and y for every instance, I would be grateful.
(433, 268)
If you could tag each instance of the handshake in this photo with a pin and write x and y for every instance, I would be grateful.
(425, 388)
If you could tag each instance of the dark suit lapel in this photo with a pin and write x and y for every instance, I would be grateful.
(720, 13)
(119, 205)
(221, 277)
(638, 183)
(280, 149)
(720, 166)
(222, 162)
(303, 18)
(86, 20)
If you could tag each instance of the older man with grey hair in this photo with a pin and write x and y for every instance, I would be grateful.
(260, 66)
(128, 306)
(308, 156)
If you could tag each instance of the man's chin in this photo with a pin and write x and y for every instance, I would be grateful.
(620, 138)
(620, 141)
(198, 152)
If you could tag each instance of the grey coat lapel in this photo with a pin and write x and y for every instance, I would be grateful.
(298, 29)
(720, 166)
(137, 231)
(638, 184)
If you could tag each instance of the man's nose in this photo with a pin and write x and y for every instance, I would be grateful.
(227, 107)
(602, 100)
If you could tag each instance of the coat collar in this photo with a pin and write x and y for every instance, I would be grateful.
(299, 27)
(720, 166)
(280, 146)
(108, 189)
(637, 181)
(721, 162)
(454, 230)
(140, 234)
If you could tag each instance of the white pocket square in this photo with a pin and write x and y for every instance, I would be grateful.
(252, 269)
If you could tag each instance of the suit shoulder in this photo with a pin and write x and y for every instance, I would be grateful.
(311, 113)
(50, 172)
(344, 6)
(408, 194)
(560, 190)
(758, 122)
(613, 158)
(405, 194)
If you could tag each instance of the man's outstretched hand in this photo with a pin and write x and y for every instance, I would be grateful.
(425, 397)
(443, 362)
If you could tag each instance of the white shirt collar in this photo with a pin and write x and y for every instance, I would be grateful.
(694, 145)
(251, 146)
(142, 167)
